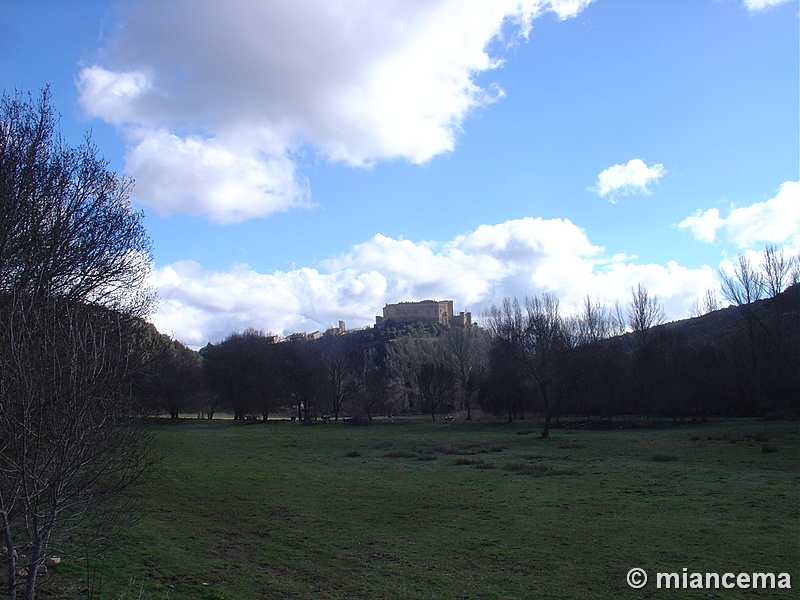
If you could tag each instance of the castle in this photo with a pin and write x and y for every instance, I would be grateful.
(428, 312)
(425, 311)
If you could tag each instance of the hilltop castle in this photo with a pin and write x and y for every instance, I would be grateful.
(425, 311)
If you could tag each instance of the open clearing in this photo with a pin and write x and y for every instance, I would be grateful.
(419, 509)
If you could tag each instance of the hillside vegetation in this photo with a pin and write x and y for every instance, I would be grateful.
(528, 358)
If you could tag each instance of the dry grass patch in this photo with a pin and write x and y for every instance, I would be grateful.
(538, 469)
(399, 454)
(471, 450)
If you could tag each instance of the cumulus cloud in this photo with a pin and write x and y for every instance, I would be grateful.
(634, 177)
(773, 221)
(757, 5)
(233, 91)
(476, 269)
(229, 180)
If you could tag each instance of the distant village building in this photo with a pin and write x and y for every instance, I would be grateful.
(340, 330)
(427, 312)
(300, 336)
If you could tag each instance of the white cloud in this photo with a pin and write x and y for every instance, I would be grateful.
(356, 81)
(773, 221)
(757, 5)
(703, 224)
(477, 269)
(225, 179)
(113, 96)
(634, 177)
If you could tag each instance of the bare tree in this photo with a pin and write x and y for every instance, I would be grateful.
(423, 367)
(708, 304)
(465, 349)
(766, 334)
(744, 286)
(338, 383)
(374, 378)
(176, 383)
(435, 382)
(644, 310)
(66, 225)
(537, 340)
(251, 375)
(69, 445)
(597, 322)
(777, 271)
(794, 275)
(74, 259)
(644, 313)
(596, 356)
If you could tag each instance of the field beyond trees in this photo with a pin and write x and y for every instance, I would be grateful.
(462, 509)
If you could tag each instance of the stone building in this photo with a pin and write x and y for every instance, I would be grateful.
(425, 311)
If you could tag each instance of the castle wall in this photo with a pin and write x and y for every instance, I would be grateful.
(425, 311)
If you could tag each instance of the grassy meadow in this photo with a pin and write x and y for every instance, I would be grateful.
(481, 509)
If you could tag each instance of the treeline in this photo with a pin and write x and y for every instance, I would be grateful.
(603, 363)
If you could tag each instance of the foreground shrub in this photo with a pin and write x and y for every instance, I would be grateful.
(471, 450)
(427, 456)
(664, 457)
(399, 454)
(538, 470)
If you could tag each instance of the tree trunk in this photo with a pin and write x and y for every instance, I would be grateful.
(33, 569)
(547, 412)
(12, 563)
(546, 428)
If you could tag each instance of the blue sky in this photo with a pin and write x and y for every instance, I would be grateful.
(305, 162)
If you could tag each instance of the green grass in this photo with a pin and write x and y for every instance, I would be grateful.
(453, 510)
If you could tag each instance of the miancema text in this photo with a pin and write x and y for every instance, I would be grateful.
(708, 581)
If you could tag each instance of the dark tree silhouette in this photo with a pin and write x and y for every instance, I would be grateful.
(66, 225)
(537, 339)
(74, 259)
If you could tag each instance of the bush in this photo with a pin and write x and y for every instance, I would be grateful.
(538, 470)
(455, 450)
(478, 463)
(399, 454)
(664, 457)
(531, 455)
(471, 450)
(495, 448)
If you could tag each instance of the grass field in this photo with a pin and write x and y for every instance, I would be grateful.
(415, 509)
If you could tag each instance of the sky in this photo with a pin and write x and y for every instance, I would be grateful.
(301, 162)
